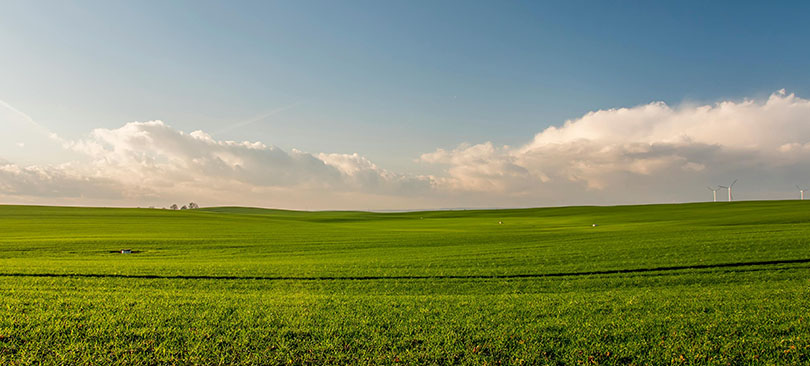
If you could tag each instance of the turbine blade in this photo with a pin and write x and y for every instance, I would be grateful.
(724, 187)
(732, 183)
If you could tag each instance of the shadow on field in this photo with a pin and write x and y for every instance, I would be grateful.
(328, 278)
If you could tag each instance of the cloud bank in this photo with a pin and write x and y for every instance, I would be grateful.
(152, 158)
(648, 153)
(644, 154)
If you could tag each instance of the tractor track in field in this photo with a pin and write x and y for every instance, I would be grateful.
(426, 277)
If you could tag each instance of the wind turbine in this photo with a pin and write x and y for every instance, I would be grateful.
(714, 192)
(801, 191)
(730, 197)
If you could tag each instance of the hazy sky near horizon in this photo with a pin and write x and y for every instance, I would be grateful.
(398, 105)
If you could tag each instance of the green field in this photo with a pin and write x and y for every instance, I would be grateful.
(707, 283)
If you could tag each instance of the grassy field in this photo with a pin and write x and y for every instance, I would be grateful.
(707, 283)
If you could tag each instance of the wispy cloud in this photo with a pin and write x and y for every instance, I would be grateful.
(258, 118)
(30, 121)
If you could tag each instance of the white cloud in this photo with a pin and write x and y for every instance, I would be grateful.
(624, 152)
(647, 153)
(54, 182)
(149, 151)
(151, 160)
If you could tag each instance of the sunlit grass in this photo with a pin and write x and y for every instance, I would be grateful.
(707, 284)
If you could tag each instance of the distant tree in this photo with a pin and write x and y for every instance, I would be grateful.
(173, 206)
(184, 207)
(193, 205)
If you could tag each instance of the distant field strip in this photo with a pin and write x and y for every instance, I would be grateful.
(445, 277)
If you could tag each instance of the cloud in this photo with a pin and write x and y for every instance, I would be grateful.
(622, 153)
(153, 152)
(150, 160)
(258, 118)
(647, 153)
(54, 182)
(362, 173)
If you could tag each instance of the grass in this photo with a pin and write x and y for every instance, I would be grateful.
(707, 283)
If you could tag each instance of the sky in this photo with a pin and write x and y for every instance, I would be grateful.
(401, 105)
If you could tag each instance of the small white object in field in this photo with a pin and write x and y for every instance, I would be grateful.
(594, 225)
(500, 222)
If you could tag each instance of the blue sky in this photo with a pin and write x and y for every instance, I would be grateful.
(390, 81)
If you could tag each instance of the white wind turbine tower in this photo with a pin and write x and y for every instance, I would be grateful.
(801, 190)
(714, 192)
(730, 197)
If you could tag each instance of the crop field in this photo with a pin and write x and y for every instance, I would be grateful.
(705, 283)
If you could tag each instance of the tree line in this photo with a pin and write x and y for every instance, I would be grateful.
(190, 206)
